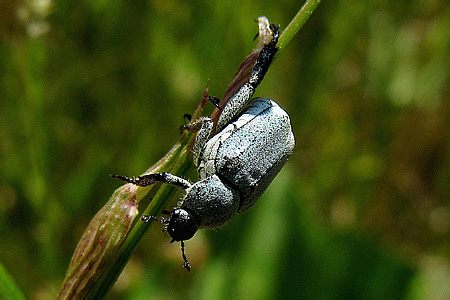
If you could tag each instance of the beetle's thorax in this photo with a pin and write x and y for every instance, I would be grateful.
(212, 201)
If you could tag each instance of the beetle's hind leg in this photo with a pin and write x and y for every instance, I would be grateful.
(260, 68)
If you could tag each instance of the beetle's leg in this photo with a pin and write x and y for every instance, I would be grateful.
(186, 264)
(203, 126)
(150, 179)
(214, 100)
(147, 218)
(245, 93)
(265, 58)
(187, 117)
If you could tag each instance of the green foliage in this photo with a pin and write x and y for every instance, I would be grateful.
(361, 210)
(8, 288)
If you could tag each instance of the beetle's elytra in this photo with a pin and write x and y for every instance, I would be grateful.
(249, 153)
(253, 142)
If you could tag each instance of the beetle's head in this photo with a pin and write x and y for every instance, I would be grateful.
(182, 225)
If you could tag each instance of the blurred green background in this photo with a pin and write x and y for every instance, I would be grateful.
(361, 210)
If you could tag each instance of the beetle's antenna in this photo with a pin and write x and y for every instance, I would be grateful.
(186, 264)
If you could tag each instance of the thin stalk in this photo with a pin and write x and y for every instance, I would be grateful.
(297, 22)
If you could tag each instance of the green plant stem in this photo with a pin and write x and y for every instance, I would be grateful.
(297, 22)
(161, 199)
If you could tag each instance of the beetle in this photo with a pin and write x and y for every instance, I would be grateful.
(253, 142)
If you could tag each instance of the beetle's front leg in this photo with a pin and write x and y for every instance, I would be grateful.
(149, 179)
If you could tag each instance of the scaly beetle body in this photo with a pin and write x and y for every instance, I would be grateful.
(253, 142)
(248, 153)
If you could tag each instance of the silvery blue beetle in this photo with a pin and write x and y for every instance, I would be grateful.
(253, 142)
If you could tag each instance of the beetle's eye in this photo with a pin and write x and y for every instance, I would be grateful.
(182, 225)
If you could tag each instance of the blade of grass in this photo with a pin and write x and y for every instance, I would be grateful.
(8, 288)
